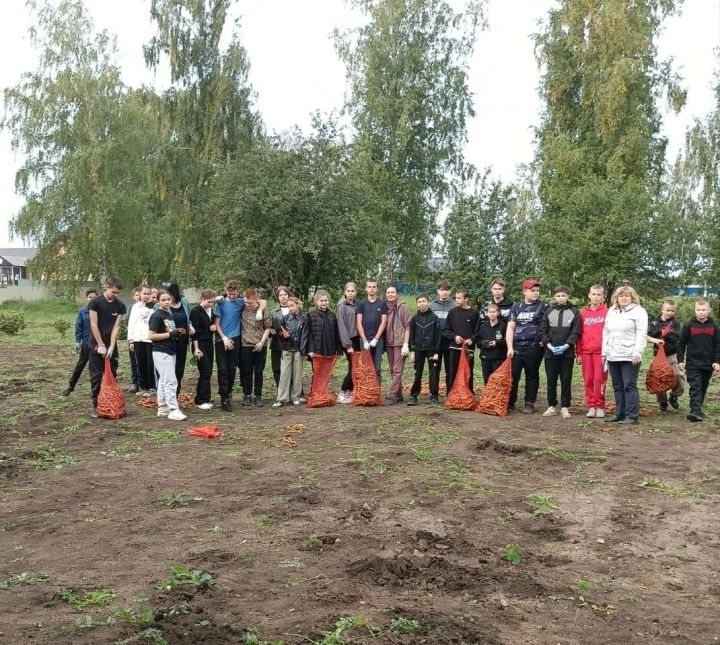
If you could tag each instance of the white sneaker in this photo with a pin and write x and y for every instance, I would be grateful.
(163, 412)
(550, 412)
(600, 413)
(205, 406)
(565, 413)
(348, 397)
(341, 397)
(278, 404)
(176, 415)
(297, 401)
(591, 413)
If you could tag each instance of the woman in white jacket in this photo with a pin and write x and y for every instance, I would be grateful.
(624, 340)
(139, 343)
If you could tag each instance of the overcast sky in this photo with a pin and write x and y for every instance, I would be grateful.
(295, 71)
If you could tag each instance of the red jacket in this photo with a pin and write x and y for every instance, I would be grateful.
(591, 326)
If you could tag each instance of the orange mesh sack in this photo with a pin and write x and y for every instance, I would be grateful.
(323, 367)
(366, 388)
(461, 396)
(660, 376)
(495, 396)
(111, 400)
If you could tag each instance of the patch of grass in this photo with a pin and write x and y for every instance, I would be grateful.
(446, 437)
(312, 541)
(291, 563)
(159, 436)
(251, 637)
(552, 453)
(676, 490)
(542, 503)
(264, 523)
(47, 457)
(178, 500)
(512, 554)
(126, 450)
(251, 558)
(24, 578)
(583, 586)
(92, 598)
(132, 617)
(656, 432)
(297, 582)
(403, 626)
(423, 453)
(72, 428)
(150, 635)
(583, 478)
(183, 578)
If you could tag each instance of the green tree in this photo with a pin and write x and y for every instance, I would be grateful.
(409, 100)
(599, 150)
(296, 211)
(85, 139)
(206, 116)
(487, 234)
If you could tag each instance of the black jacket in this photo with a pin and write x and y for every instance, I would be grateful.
(699, 345)
(505, 305)
(323, 337)
(298, 328)
(497, 333)
(276, 321)
(201, 322)
(560, 326)
(464, 323)
(425, 333)
(655, 327)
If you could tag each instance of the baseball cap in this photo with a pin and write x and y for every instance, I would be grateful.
(530, 283)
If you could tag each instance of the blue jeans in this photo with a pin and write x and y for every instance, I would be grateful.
(624, 377)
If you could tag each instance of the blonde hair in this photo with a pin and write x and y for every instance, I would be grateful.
(624, 290)
(297, 301)
(348, 285)
(319, 294)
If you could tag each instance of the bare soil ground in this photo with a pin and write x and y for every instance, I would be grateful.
(426, 525)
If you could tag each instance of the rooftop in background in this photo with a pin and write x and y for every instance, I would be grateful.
(17, 257)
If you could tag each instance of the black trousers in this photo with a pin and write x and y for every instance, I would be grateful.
(433, 372)
(275, 359)
(527, 359)
(698, 381)
(204, 364)
(96, 366)
(559, 366)
(145, 366)
(489, 365)
(227, 361)
(180, 361)
(444, 359)
(253, 365)
(347, 384)
(80, 365)
(453, 365)
(133, 369)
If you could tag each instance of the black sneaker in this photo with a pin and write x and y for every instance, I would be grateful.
(258, 402)
(68, 390)
(628, 422)
(614, 419)
(694, 418)
(663, 407)
(434, 400)
(391, 400)
(225, 405)
(412, 400)
(673, 402)
(247, 401)
(529, 408)
(94, 414)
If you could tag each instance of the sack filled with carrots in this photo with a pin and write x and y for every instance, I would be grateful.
(323, 367)
(495, 397)
(366, 387)
(461, 397)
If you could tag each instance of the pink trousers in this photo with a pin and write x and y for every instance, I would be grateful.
(396, 363)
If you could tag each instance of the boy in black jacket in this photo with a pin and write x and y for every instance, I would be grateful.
(665, 330)
(699, 356)
(559, 332)
(491, 338)
(424, 344)
(201, 318)
(462, 327)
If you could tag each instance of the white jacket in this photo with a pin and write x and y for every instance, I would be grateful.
(138, 321)
(625, 333)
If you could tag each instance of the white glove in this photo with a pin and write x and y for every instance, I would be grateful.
(259, 315)
(405, 350)
(110, 351)
(374, 342)
(259, 347)
(101, 349)
(366, 345)
(228, 343)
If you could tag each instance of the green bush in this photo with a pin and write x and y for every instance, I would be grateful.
(11, 322)
(61, 326)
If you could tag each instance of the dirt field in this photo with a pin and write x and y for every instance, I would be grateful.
(385, 525)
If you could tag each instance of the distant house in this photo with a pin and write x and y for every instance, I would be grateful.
(13, 265)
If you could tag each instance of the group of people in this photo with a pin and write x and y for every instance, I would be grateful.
(234, 333)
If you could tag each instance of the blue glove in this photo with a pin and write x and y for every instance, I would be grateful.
(551, 348)
(559, 351)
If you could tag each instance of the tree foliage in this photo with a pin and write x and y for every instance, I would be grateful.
(294, 211)
(409, 100)
(599, 150)
(86, 140)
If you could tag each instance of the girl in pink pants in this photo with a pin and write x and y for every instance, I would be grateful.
(397, 336)
(588, 349)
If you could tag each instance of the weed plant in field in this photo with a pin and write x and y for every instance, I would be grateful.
(24, 578)
(87, 599)
(182, 577)
(46, 457)
(542, 503)
(177, 500)
(512, 554)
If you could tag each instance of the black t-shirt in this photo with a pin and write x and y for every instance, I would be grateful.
(161, 322)
(372, 313)
(107, 314)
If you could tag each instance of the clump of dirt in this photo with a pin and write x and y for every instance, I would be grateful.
(15, 386)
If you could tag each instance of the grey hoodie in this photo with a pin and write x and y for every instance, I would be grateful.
(441, 308)
(346, 322)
